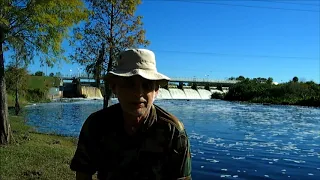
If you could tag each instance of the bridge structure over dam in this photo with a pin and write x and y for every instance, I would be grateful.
(184, 80)
(177, 87)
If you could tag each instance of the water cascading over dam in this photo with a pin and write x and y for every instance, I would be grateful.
(177, 93)
(188, 93)
(164, 94)
(192, 94)
(204, 94)
(171, 93)
(91, 92)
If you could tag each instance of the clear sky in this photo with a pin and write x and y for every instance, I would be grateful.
(219, 39)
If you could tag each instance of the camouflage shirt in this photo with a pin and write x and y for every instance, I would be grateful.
(159, 149)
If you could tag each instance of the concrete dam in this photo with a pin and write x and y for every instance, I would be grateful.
(186, 93)
(171, 93)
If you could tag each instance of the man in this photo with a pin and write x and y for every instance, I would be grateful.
(134, 139)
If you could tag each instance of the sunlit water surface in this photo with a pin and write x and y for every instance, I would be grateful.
(228, 140)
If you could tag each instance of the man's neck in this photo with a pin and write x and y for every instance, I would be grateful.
(132, 123)
(130, 119)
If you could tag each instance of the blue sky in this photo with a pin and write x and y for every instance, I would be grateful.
(219, 39)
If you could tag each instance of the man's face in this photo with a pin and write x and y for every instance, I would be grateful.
(135, 94)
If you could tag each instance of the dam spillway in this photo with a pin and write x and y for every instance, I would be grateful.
(91, 92)
(178, 89)
(175, 93)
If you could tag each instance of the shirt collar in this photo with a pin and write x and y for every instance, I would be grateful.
(148, 122)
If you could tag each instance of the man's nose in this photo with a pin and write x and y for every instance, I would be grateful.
(138, 89)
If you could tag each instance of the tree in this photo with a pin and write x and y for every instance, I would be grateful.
(33, 27)
(39, 73)
(16, 76)
(260, 80)
(240, 78)
(51, 74)
(5, 129)
(58, 74)
(295, 79)
(96, 67)
(269, 80)
(114, 25)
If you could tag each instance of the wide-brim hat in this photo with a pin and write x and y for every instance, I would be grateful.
(140, 62)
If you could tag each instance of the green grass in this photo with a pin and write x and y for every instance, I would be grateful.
(42, 82)
(36, 87)
(11, 100)
(34, 82)
(33, 155)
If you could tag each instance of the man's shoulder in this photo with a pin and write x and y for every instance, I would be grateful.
(102, 115)
(113, 109)
(165, 117)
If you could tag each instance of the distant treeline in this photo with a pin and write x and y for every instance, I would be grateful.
(289, 93)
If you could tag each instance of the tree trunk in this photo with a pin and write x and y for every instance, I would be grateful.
(107, 90)
(98, 65)
(107, 96)
(5, 131)
(17, 105)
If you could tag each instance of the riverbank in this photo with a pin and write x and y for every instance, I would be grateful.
(33, 155)
(290, 93)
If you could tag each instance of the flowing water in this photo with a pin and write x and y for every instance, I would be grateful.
(192, 94)
(204, 94)
(172, 93)
(164, 94)
(228, 140)
(91, 92)
(177, 94)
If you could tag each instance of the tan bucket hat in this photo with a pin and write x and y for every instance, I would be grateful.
(140, 62)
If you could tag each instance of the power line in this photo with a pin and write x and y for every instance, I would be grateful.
(224, 4)
(272, 1)
(238, 55)
(275, 1)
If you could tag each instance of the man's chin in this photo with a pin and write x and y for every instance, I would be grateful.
(137, 112)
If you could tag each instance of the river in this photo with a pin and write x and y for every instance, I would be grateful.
(229, 140)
